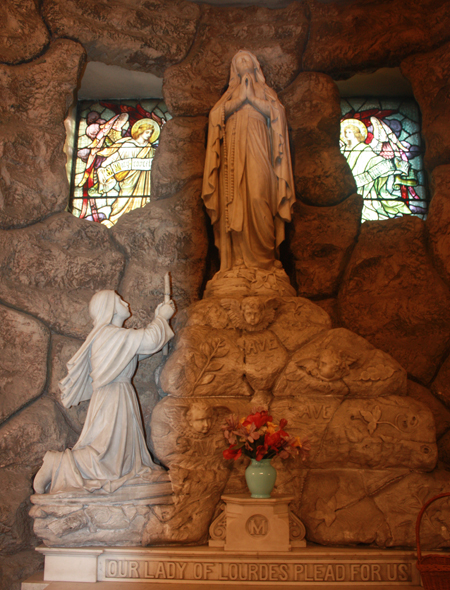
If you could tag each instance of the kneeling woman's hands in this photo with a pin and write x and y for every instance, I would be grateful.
(165, 310)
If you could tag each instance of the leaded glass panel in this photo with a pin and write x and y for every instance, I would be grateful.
(116, 143)
(380, 139)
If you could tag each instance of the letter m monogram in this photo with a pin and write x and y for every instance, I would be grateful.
(257, 525)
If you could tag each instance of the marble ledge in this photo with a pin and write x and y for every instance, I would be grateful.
(191, 567)
(36, 582)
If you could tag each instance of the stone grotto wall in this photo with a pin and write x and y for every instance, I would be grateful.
(387, 281)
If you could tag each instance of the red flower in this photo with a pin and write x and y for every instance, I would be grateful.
(260, 452)
(232, 453)
(258, 419)
(274, 440)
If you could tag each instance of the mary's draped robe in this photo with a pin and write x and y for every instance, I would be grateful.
(248, 186)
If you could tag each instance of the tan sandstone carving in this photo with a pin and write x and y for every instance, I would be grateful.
(248, 190)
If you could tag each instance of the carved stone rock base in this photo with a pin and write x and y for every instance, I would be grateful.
(330, 568)
(79, 520)
(248, 282)
(249, 524)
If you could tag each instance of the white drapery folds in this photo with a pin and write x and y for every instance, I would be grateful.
(111, 449)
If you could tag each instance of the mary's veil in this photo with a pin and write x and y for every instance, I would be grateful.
(234, 76)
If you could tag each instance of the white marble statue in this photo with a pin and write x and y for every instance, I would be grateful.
(111, 450)
(248, 185)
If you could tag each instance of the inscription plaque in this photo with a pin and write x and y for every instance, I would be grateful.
(248, 571)
(303, 566)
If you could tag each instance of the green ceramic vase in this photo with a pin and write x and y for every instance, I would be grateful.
(260, 477)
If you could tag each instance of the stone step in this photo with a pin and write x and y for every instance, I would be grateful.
(36, 582)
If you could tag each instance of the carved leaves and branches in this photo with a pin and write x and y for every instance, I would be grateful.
(204, 364)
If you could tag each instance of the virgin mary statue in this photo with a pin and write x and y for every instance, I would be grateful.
(111, 450)
(248, 186)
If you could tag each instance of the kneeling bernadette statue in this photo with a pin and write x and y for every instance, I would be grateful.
(248, 185)
(111, 450)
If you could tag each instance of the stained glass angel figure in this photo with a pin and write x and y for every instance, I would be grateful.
(380, 163)
(119, 144)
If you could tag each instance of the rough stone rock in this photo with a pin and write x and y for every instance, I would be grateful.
(171, 235)
(380, 433)
(27, 436)
(441, 383)
(330, 306)
(39, 93)
(53, 268)
(440, 413)
(228, 338)
(24, 34)
(429, 75)
(401, 504)
(224, 354)
(23, 363)
(438, 221)
(24, 439)
(15, 524)
(16, 568)
(276, 37)
(339, 363)
(238, 282)
(137, 35)
(373, 507)
(444, 449)
(34, 101)
(187, 437)
(377, 426)
(295, 322)
(392, 295)
(118, 518)
(346, 38)
(187, 432)
(168, 235)
(388, 432)
(61, 351)
(321, 240)
(205, 363)
(265, 358)
(180, 156)
(313, 110)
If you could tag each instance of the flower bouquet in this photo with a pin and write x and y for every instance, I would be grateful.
(259, 438)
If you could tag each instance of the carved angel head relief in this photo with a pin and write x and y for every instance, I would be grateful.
(252, 314)
(199, 417)
(331, 365)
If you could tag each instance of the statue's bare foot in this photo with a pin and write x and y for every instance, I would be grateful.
(44, 475)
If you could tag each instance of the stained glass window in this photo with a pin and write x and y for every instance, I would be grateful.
(380, 139)
(116, 142)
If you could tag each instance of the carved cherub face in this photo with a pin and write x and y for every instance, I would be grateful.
(330, 365)
(200, 418)
(252, 310)
(253, 314)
